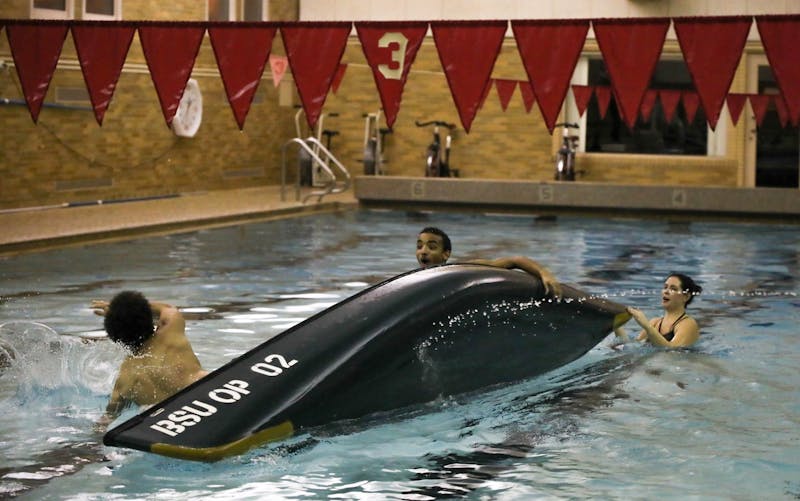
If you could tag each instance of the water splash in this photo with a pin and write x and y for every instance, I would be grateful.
(33, 356)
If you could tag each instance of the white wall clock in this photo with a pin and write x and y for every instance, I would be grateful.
(189, 114)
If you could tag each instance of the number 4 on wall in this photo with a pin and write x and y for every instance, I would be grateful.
(679, 198)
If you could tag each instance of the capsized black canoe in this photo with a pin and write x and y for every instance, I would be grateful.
(411, 339)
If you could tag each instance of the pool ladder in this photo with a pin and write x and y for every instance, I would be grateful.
(322, 159)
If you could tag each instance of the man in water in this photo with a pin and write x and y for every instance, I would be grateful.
(161, 359)
(434, 248)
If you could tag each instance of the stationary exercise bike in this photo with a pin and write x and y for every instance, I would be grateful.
(311, 175)
(437, 159)
(565, 157)
(374, 136)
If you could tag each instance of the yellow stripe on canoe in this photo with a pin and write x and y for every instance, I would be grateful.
(271, 434)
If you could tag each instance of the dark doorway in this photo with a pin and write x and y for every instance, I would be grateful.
(653, 136)
(778, 146)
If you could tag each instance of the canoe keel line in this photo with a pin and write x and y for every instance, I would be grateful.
(411, 339)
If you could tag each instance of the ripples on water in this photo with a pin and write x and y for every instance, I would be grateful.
(717, 421)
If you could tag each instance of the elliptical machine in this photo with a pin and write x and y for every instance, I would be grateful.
(565, 157)
(437, 159)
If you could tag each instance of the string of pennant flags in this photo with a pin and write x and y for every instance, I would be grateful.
(712, 48)
(669, 99)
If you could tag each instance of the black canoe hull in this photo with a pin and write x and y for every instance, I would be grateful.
(411, 339)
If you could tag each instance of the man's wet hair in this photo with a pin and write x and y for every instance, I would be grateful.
(129, 320)
(688, 286)
(436, 231)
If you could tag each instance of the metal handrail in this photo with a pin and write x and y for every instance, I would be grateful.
(334, 186)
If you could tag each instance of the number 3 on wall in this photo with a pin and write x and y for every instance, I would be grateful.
(398, 55)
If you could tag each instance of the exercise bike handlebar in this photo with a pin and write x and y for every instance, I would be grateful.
(568, 125)
(435, 122)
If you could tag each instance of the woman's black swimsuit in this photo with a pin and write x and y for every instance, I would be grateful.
(671, 334)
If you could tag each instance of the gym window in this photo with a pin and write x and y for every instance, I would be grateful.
(52, 9)
(654, 136)
(102, 10)
(220, 10)
(255, 10)
(225, 10)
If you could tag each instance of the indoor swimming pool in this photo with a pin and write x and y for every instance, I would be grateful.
(717, 421)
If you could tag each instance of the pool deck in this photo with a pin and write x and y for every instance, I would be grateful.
(41, 228)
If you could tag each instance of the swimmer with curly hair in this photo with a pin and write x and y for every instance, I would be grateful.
(160, 361)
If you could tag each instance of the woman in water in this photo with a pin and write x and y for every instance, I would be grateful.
(675, 329)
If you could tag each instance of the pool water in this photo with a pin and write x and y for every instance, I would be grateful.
(718, 421)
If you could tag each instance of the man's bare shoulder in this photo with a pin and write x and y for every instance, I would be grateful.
(171, 344)
(129, 373)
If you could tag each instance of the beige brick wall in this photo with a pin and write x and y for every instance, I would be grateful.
(501, 145)
(67, 157)
(134, 149)
(657, 170)
(157, 10)
(511, 144)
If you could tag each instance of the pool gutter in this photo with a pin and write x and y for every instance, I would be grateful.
(780, 205)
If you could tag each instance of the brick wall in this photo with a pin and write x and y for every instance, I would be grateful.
(657, 170)
(509, 144)
(513, 144)
(67, 157)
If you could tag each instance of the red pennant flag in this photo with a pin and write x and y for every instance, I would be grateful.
(669, 103)
(631, 49)
(779, 36)
(489, 85)
(603, 96)
(102, 49)
(170, 51)
(690, 102)
(760, 104)
(242, 54)
(735, 106)
(338, 77)
(505, 90)
(314, 51)
(549, 50)
(390, 49)
(35, 47)
(528, 96)
(467, 51)
(712, 48)
(582, 95)
(648, 103)
(278, 65)
(782, 109)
